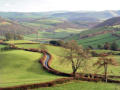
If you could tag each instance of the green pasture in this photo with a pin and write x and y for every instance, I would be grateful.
(82, 85)
(58, 63)
(18, 67)
(18, 41)
(2, 46)
(57, 34)
(98, 40)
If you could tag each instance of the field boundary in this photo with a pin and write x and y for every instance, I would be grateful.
(69, 77)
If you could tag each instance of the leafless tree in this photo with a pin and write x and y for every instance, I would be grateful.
(75, 54)
(103, 61)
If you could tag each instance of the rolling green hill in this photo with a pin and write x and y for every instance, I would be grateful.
(110, 22)
(57, 64)
(92, 14)
(18, 67)
(56, 28)
(98, 35)
(99, 40)
(77, 85)
(13, 27)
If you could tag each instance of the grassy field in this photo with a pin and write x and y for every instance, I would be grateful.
(91, 31)
(82, 85)
(57, 34)
(37, 25)
(18, 41)
(56, 63)
(42, 24)
(18, 67)
(2, 46)
(38, 22)
(77, 85)
(50, 28)
(29, 45)
(57, 52)
(98, 40)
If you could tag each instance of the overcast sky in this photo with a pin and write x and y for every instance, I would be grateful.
(56, 5)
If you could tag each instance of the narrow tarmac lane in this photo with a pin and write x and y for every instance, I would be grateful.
(46, 61)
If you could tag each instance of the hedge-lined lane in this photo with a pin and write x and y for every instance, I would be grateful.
(45, 61)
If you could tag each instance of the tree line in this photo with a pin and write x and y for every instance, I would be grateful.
(13, 36)
(107, 46)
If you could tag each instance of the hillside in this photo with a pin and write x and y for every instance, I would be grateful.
(33, 72)
(59, 25)
(107, 31)
(64, 14)
(55, 23)
(110, 22)
(13, 27)
(16, 70)
(90, 14)
(55, 28)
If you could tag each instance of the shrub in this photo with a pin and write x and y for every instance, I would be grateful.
(94, 54)
(107, 46)
(114, 46)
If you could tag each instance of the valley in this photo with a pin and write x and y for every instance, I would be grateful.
(60, 50)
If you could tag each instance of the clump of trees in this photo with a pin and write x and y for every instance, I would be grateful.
(75, 55)
(114, 46)
(103, 61)
(13, 36)
(109, 46)
(100, 46)
(90, 47)
(57, 43)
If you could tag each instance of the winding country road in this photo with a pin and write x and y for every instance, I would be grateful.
(46, 61)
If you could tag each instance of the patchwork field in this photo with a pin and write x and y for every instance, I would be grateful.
(54, 28)
(30, 30)
(56, 34)
(98, 40)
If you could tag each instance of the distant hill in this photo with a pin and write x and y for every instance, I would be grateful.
(13, 27)
(107, 31)
(84, 19)
(81, 15)
(44, 20)
(51, 24)
(90, 14)
(13, 15)
(110, 22)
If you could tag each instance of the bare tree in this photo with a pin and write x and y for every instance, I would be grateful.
(104, 61)
(75, 55)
